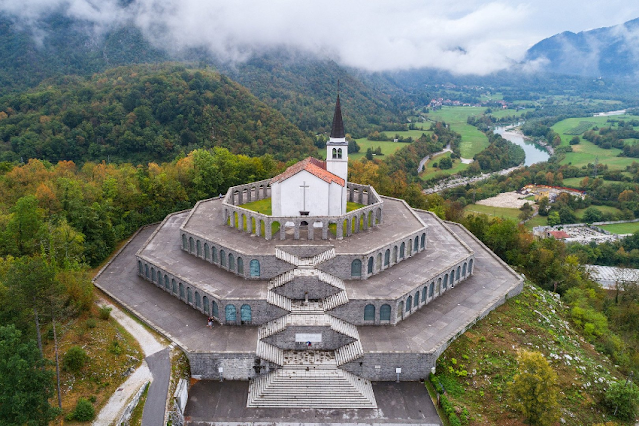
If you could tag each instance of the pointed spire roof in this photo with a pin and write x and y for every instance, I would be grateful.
(338, 125)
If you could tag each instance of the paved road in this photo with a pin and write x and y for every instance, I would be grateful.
(160, 366)
(425, 159)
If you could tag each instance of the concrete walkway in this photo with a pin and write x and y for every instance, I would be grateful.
(156, 368)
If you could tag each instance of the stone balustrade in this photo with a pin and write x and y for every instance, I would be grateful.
(269, 227)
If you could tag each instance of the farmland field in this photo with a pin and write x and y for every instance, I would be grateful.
(388, 147)
(504, 212)
(473, 141)
(622, 228)
(431, 172)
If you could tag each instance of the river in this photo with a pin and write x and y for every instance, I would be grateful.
(534, 154)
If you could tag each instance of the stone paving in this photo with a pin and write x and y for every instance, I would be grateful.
(224, 404)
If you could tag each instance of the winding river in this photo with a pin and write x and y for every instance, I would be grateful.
(534, 154)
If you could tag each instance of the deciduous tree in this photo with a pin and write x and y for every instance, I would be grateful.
(534, 389)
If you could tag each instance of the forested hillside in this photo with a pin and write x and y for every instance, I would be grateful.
(143, 113)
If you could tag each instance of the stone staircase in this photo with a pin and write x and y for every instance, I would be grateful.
(309, 378)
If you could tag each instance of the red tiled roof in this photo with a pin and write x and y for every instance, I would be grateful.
(559, 235)
(313, 166)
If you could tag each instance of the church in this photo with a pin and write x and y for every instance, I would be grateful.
(335, 288)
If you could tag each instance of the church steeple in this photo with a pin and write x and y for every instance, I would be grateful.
(338, 125)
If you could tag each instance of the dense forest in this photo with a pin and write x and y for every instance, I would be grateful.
(143, 113)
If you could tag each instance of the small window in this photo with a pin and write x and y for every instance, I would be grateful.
(416, 245)
(199, 248)
(416, 300)
(445, 281)
(140, 267)
(334, 153)
(146, 271)
(222, 258)
(458, 273)
(189, 295)
(205, 303)
(464, 270)
(409, 303)
(230, 312)
(431, 289)
(153, 274)
(166, 283)
(423, 242)
(387, 257)
(231, 262)
(191, 245)
(379, 262)
(385, 313)
(402, 249)
(174, 285)
(339, 154)
(214, 309)
(470, 267)
(356, 268)
(370, 265)
(207, 251)
(245, 314)
(213, 254)
(240, 266)
(395, 254)
(424, 295)
(184, 244)
(369, 313)
(255, 268)
(181, 290)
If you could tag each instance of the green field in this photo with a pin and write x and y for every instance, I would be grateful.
(504, 212)
(587, 152)
(473, 141)
(573, 182)
(500, 113)
(622, 228)
(537, 221)
(387, 147)
(604, 209)
(431, 172)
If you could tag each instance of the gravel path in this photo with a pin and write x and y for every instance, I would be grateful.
(114, 408)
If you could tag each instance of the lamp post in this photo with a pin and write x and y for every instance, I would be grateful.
(221, 370)
(398, 372)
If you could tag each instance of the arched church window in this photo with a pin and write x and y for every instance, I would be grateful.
(416, 300)
(205, 303)
(458, 273)
(339, 153)
(445, 281)
(409, 303)
(370, 265)
(255, 268)
(231, 262)
(153, 274)
(402, 249)
(181, 286)
(191, 245)
(240, 266)
(369, 313)
(379, 262)
(464, 270)
(140, 267)
(207, 251)
(230, 312)
(199, 248)
(146, 271)
(424, 294)
(198, 300)
(213, 254)
(387, 257)
(431, 289)
(245, 314)
(416, 247)
(222, 258)
(356, 268)
(470, 267)
(184, 241)
(174, 286)
(385, 312)
(395, 254)
(189, 295)
(334, 153)
(423, 242)
(214, 309)
(166, 282)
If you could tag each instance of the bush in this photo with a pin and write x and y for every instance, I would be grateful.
(74, 359)
(105, 312)
(624, 398)
(84, 411)
(91, 323)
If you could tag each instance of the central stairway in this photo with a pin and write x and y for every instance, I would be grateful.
(309, 378)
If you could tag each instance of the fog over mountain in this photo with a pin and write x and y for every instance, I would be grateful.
(463, 37)
(603, 52)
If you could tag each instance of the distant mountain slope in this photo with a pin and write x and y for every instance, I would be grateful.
(301, 87)
(143, 113)
(602, 52)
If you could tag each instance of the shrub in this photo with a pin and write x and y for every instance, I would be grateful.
(84, 411)
(115, 348)
(105, 312)
(74, 359)
(91, 323)
(624, 398)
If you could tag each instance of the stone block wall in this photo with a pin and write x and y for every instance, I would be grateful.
(382, 366)
(331, 339)
(301, 287)
(235, 366)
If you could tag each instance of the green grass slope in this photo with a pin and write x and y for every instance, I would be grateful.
(477, 367)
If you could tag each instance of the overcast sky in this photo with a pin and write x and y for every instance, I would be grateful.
(462, 36)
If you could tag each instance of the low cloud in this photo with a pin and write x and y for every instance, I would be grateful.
(467, 37)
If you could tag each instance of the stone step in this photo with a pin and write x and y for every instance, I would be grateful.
(307, 319)
(278, 300)
(281, 279)
(310, 307)
(320, 388)
(305, 262)
(331, 279)
(348, 353)
(286, 257)
(269, 352)
(323, 257)
(343, 327)
(272, 327)
(309, 359)
(335, 300)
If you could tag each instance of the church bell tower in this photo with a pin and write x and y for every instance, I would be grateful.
(337, 147)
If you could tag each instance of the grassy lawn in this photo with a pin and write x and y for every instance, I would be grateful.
(504, 212)
(537, 221)
(473, 141)
(261, 206)
(500, 113)
(586, 152)
(622, 228)
(573, 182)
(604, 209)
(431, 172)
(388, 147)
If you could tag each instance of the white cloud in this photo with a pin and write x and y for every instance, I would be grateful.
(467, 36)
